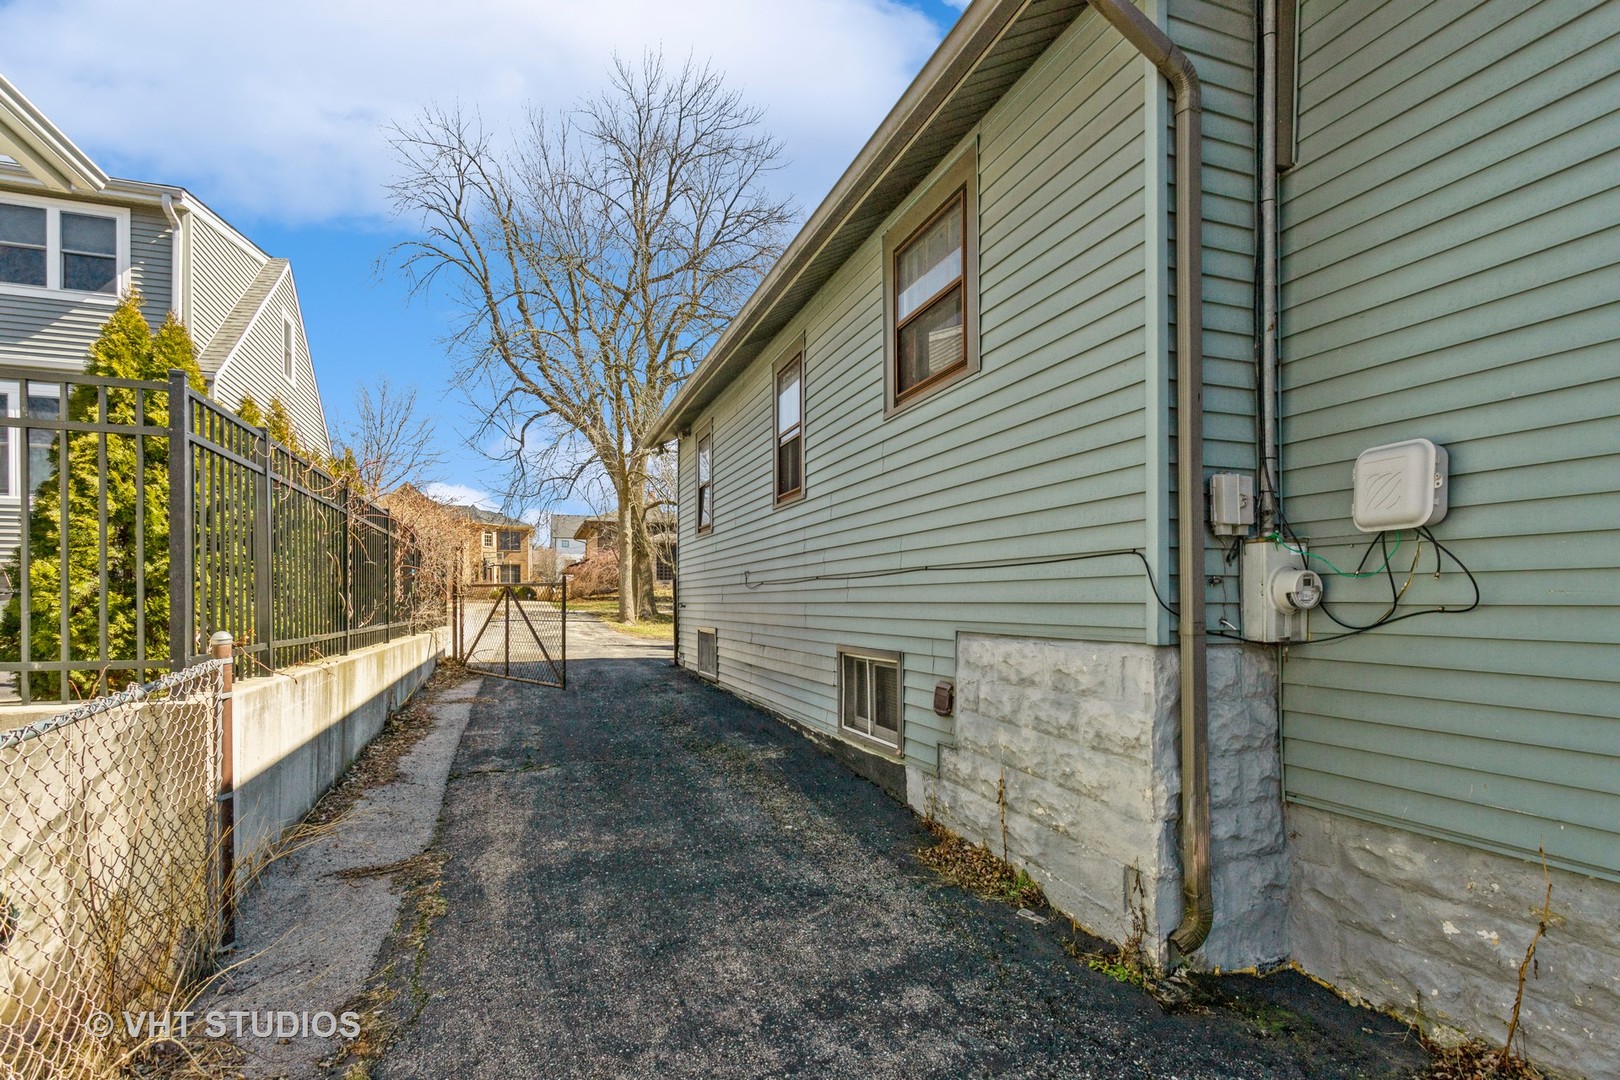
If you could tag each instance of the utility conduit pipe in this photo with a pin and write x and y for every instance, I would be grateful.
(1198, 914)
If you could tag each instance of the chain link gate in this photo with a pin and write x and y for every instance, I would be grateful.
(514, 630)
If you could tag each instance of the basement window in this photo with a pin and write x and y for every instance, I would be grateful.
(708, 652)
(869, 695)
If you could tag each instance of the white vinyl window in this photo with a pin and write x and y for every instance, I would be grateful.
(489, 539)
(869, 696)
(43, 404)
(62, 247)
(289, 351)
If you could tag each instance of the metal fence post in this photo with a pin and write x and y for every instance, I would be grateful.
(264, 622)
(181, 524)
(393, 580)
(564, 679)
(221, 647)
(348, 568)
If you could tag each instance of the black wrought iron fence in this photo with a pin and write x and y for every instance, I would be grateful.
(131, 530)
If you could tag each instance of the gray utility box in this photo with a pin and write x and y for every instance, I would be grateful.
(1278, 592)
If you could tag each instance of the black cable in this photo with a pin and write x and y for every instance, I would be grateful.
(1391, 618)
(992, 564)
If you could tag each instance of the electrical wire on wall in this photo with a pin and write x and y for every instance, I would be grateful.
(990, 564)
(1386, 569)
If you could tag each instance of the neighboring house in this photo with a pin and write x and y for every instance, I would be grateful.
(498, 547)
(73, 239)
(561, 529)
(600, 535)
(929, 507)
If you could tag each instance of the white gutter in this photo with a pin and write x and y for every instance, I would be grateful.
(181, 250)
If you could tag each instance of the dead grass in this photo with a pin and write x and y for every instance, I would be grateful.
(395, 997)
(1476, 1061)
(660, 627)
(979, 870)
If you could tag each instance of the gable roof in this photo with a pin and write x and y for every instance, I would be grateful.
(564, 526)
(989, 48)
(478, 515)
(236, 324)
(29, 138)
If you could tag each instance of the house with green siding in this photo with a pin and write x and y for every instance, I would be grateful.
(1028, 482)
(73, 240)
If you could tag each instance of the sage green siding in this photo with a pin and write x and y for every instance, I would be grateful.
(55, 329)
(1450, 235)
(1219, 36)
(1041, 453)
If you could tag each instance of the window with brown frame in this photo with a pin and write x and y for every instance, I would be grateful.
(705, 481)
(930, 286)
(790, 428)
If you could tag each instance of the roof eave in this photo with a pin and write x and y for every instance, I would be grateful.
(979, 28)
(41, 148)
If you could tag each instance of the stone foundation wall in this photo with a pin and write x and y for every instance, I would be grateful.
(1075, 746)
(1436, 931)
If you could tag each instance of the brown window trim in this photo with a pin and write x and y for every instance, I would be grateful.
(882, 656)
(704, 432)
(793, 354)
(959, 181)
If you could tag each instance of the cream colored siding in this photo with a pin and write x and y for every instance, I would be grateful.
(1042, 453)
(256, 366)
(221, 271)
(1450, 235)
(56, 329)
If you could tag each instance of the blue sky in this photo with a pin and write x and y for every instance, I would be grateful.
(277, 122)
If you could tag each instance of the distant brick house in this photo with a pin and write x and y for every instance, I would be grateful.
(601, 535)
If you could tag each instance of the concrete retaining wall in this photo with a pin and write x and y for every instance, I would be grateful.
(1435, 932)
(1078, 743)
(298, 730)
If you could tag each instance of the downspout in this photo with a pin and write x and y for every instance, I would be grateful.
(177, 276)
(1270, 466)
(1198, 913)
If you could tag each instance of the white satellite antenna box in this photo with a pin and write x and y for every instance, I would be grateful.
(1400, 485)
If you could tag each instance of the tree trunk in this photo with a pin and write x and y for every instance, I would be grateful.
(646, 576)
(628, 609)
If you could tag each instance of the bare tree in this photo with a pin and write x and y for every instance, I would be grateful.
(388, 442)
(595, 261)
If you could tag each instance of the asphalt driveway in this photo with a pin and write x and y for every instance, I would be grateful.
(648, 878)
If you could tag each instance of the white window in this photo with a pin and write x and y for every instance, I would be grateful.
(44, 403)
(62, 247)
(489, 539)
(869, 696)
(289, 352)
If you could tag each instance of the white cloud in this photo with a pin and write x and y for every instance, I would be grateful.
(277, 113)
(460, 495)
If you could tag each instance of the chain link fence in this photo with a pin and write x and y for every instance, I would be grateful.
(108, 885)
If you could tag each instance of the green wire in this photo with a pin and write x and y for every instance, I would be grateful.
(1278, 540)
